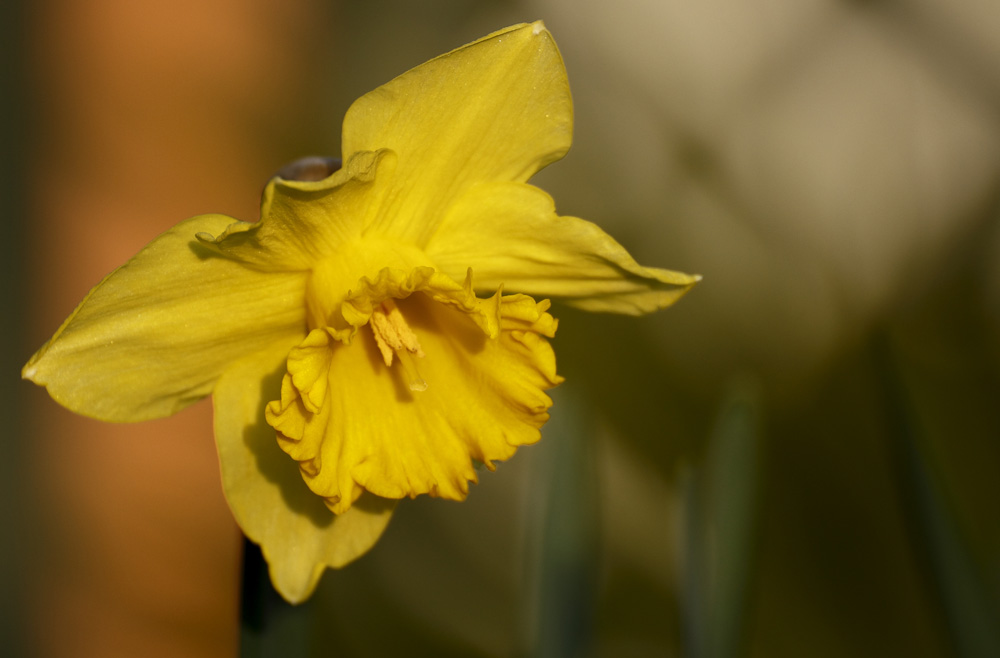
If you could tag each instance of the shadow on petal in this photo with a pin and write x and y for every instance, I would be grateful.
(369, 503)
(425, 314)
(202, 251)
(279, 468)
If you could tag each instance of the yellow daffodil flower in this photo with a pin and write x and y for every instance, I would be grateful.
(346, 322)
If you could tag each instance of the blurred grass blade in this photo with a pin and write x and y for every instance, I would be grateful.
(972, 616)
(562, 542)
(733, 471)
(693, 568)
(970, 607)
(720, 501)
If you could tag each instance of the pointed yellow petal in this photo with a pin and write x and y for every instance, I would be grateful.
(302, 222)
(478, 397)
(157, 332)
(298, 535)
(510, 234)
(497, 109)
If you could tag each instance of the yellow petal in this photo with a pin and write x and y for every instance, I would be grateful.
(510, 234)
(483, 397)
(303, 222)
(155, 335)
(496, 109)
(298, 535)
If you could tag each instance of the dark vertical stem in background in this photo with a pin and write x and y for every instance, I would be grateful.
(562, 541)
(13, 123)
(269, 625)
(254, 589)
(720, 494)
(693, 569)
(954, 578)
(735, 471)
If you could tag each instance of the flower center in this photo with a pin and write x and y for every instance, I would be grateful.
(350, 427)
(394, 337)
(333, 278)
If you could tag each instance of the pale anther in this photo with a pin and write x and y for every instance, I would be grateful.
(394, 337)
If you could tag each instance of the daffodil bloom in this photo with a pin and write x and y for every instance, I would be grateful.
(358, 341)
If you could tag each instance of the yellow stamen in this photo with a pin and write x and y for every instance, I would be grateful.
(394, 336)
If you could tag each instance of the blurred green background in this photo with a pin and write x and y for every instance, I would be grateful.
(799, 459)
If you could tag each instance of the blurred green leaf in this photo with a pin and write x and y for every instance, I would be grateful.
(719, 538)
(562, 536)
(962, 587)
